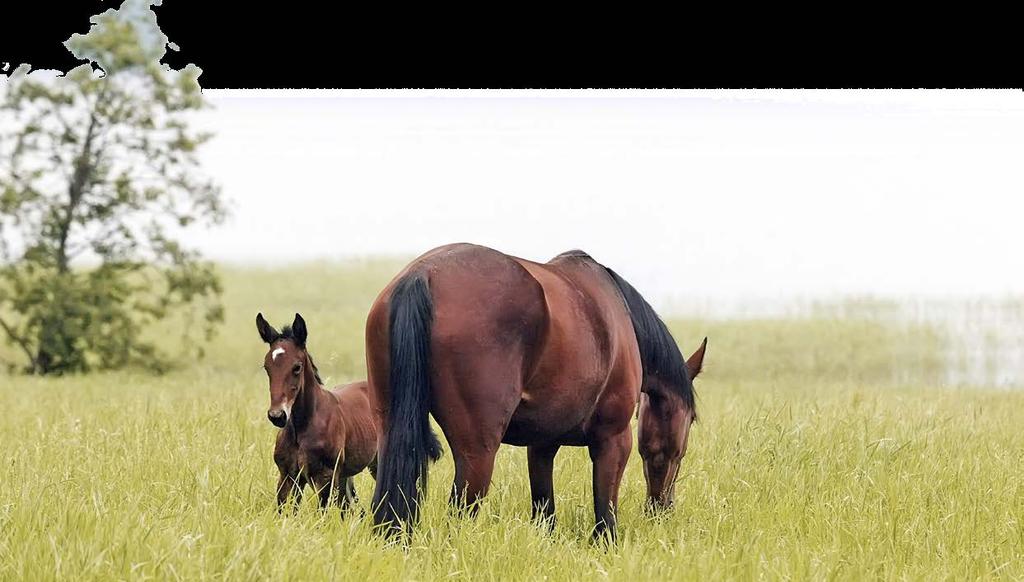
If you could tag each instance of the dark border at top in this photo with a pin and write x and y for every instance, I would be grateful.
(304, 45)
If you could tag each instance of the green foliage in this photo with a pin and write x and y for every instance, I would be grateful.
(98, 173)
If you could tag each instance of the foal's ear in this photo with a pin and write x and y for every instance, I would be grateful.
(695, 362)
(268, 333)
(299, 330)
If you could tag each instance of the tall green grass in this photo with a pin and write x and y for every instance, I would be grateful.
(828, 448)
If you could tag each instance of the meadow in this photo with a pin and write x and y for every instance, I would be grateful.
(829, 448)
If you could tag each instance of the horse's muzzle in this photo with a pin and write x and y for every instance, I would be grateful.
(277, 417)
(657, 505)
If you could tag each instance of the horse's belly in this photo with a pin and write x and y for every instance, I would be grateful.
(550, 420)
(525, 433)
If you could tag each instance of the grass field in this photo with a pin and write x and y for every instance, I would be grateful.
(827, 449)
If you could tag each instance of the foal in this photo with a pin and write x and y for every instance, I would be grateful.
(327, 436)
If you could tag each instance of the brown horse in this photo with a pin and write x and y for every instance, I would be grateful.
(504, 350)
(327, 436)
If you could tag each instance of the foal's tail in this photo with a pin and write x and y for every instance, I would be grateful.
(409, 442)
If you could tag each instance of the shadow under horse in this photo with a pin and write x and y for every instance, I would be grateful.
(500, 349)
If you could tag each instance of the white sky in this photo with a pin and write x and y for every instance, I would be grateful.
(689, 194)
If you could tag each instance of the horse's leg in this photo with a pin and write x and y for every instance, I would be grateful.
(347, 494)
(334, 489)
(474, 465)
(542, 465)
(478, 360)
(285, 485)
(300, 482)
(609, 457)
(479, 392)
(326, 489)
(289, 486)
(474, 440)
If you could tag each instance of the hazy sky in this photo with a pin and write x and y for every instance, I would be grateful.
(688, 194)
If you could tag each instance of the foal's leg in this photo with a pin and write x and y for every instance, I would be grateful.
(609, 457)
(542, 464)
(333, 488)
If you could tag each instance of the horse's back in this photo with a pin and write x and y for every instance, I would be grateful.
(352, 393)
(483, 296)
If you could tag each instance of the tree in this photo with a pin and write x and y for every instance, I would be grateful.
(98, 173)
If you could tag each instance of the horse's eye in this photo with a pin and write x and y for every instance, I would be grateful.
(296, 369)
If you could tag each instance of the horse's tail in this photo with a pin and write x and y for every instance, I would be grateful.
(409, 442)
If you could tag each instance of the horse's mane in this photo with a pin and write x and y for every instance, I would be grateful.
(659, 352)
(577, 254)
(288, 334)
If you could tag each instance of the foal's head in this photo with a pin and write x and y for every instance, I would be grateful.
(663, 430)
(288, 366)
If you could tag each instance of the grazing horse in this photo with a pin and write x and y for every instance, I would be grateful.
(504, 350)
(327, 436)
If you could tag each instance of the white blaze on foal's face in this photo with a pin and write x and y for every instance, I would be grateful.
(284, 365)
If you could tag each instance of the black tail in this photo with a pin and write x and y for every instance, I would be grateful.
(410, 443)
